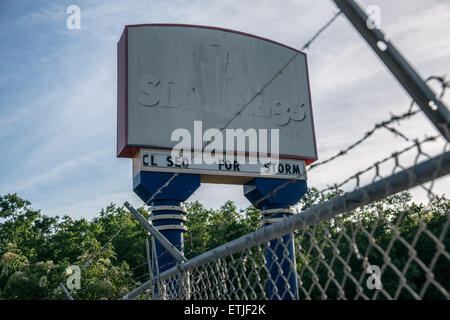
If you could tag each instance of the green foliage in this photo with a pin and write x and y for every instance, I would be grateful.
(36, 250)
(208, 228)
(387, 249)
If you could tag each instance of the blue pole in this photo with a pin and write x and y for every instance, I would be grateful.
(167, 215)
(280, 253)
(170, 223)
(280, 259)
(175, 236)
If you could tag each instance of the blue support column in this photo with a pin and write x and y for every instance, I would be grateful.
(167, 215)
(174, 234)
(280, 254)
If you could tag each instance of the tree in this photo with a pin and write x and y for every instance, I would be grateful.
(36, 250)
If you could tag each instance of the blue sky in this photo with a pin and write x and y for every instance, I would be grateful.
(58, 89)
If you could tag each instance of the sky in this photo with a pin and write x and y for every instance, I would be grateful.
(58, 90)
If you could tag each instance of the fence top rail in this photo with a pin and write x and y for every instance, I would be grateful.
(416, 175)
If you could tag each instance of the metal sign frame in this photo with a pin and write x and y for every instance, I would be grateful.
(129, 150)
(223, 173)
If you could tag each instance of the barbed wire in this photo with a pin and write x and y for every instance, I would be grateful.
(356, 176)
(322, 29)
(165, 185)
(409, 113)
(259, 92)
(444, 84)
(236, 270)
(87, 263)
(394, 156)
(376, 165)
(230, 235)
(239, 112)
(280, 71)
(384, 124)
(157, 257)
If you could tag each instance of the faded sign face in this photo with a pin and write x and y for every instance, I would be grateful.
(171, 76)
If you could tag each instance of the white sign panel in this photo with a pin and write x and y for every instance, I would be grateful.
(170, 76)
(165, 161)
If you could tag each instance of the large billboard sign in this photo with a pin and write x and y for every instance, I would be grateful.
(199, 79)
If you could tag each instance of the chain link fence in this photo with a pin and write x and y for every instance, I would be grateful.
(369, 243)
(362, 238)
